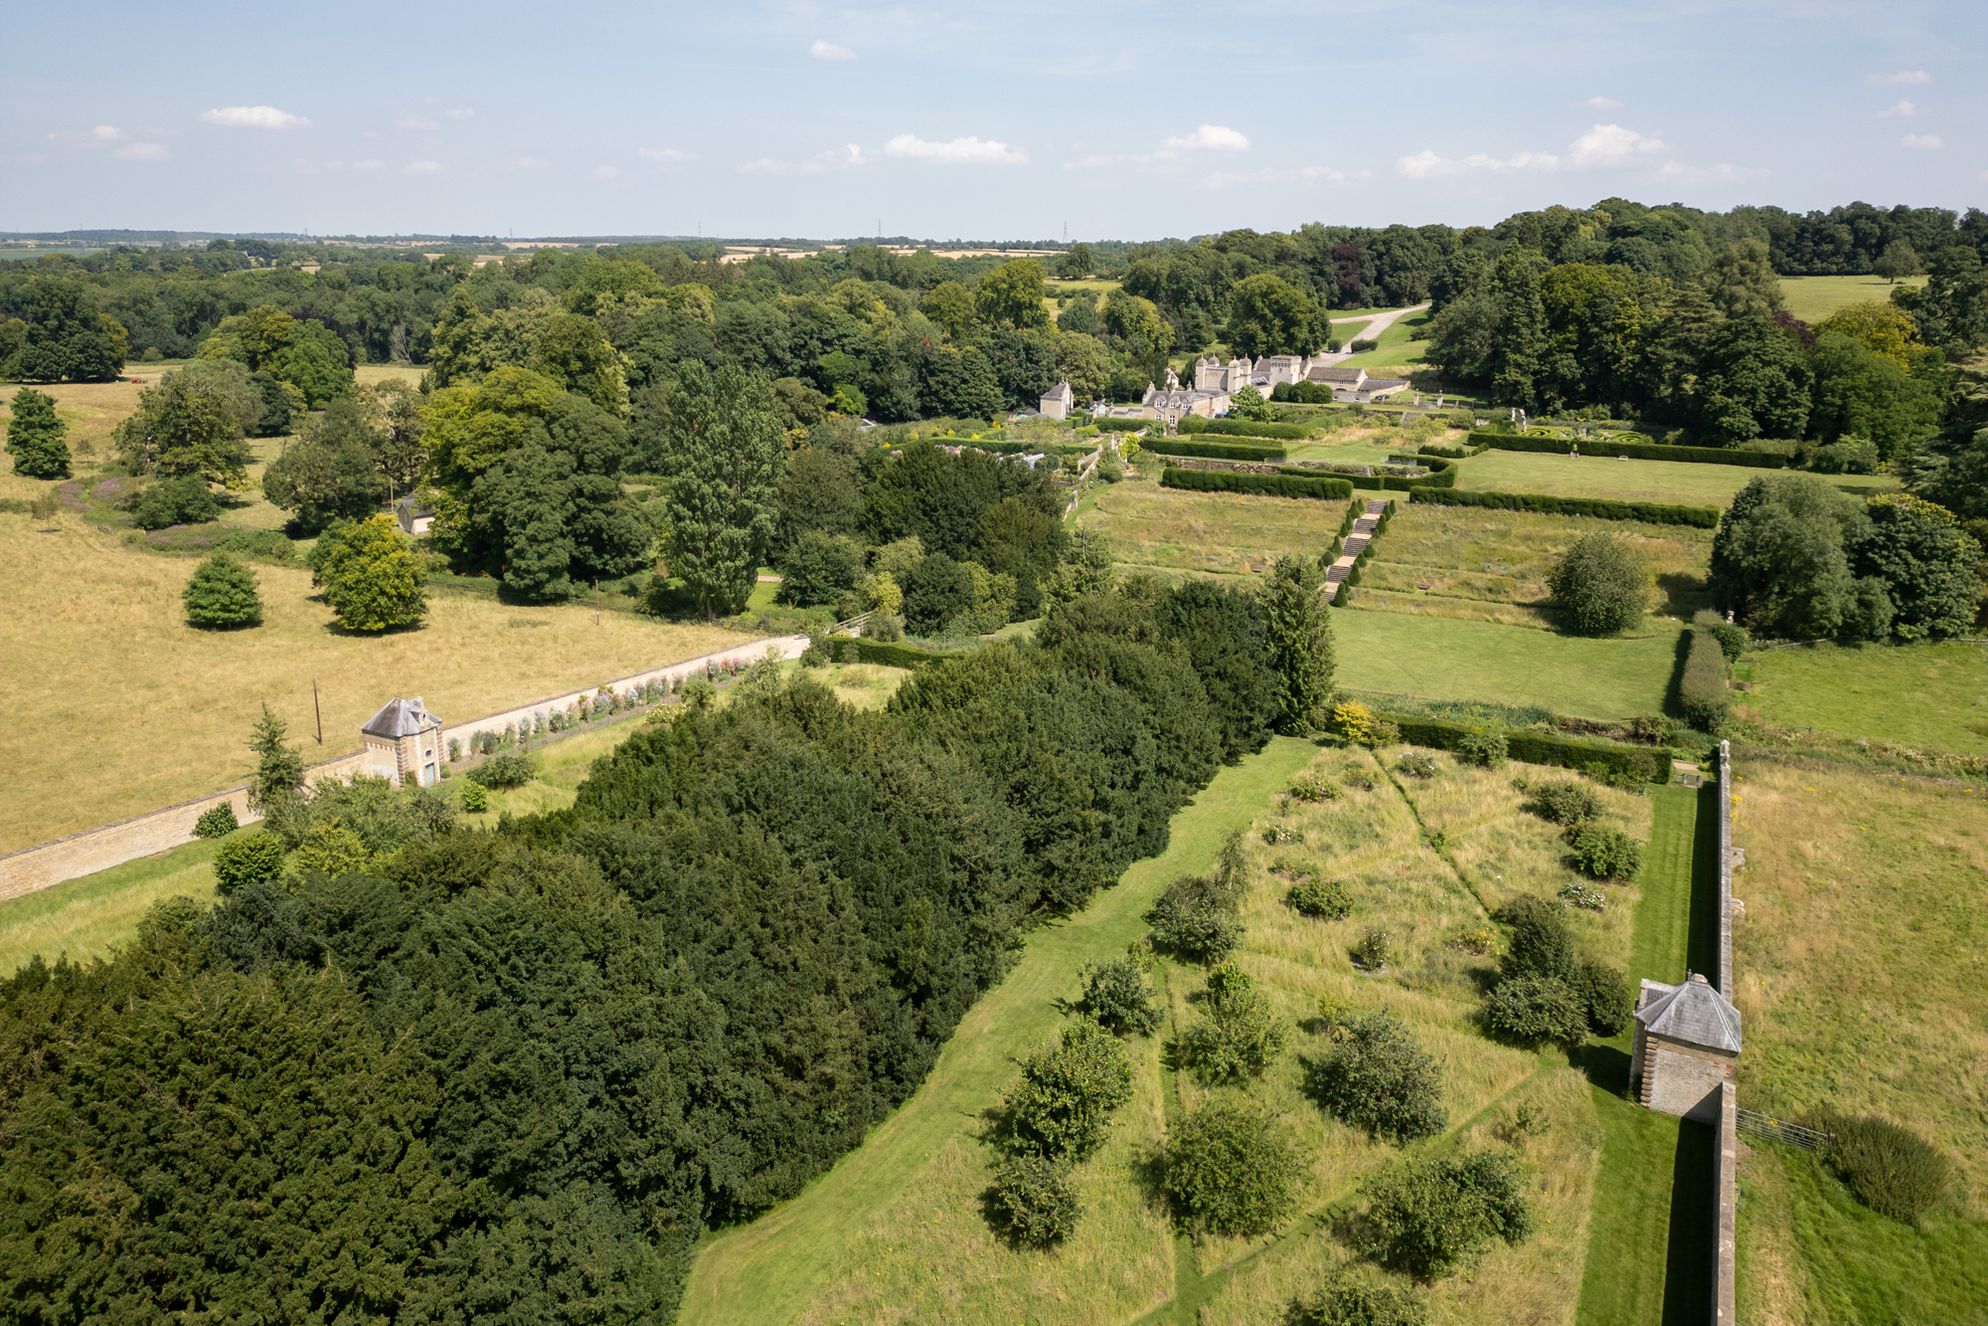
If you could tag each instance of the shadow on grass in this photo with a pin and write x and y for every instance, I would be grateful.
(1702, 945)
(1683, 594)
(1693, 1226)
(1605, 1066)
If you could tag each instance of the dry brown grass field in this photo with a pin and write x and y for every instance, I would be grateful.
(1859, 970)
(1225, 534)
(124, 708)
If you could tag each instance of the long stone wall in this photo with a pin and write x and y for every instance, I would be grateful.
(85, 853)
(1725, 1248)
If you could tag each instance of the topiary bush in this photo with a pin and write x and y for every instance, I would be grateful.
(1323, 899)
(1703, 695)
(249, 858)
(1033, 1201)
(504, 771)
(1375, 1076)
(1487, 750)
(1532, 1010)
(1067, 1093)
(1436, 1215)
(221, 595)
(1117, 997)
(1226, 1171)
(1602, 851)
(1565, 802)
(216, 821)
(1356, 1298)
(1891, 1169)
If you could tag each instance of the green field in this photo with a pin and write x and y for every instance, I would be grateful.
(1174, 532)
(1858, 971)
(1439, 658)
(1927, 697)
(85, 918)
(1813, 298)
(1561, 475)
(1396, 354)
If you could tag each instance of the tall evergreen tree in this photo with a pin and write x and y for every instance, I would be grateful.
(1300, 643)
(724, 445)
(278, 779)
(35, 436)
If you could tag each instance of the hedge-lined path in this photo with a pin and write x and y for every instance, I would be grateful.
(1356, 543)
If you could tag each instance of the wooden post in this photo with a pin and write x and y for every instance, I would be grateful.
(317, 710)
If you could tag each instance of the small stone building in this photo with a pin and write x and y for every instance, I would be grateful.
(404, 744)
(1056, 402)
(1687, 1043)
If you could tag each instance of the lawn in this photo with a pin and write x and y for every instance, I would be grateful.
(1560, 475)
(1440, 658)
(1813, 298)
(1928, 697)
(895, 1232)
(1231, 534)
(133, 709)
(85, 918)
(1396, 353)
(1859, 969)
(1493, 565)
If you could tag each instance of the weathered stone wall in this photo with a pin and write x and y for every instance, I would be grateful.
(1725, 1274)
(85, 853)
(1681, 1080)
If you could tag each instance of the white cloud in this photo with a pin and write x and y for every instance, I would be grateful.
(106, 133)
(828, 50)
(417, 123)
(835, 158)
(369, 163)
(1899, 78)
(254, 117)
(1678, 172)
(667, 154)
(1208, 138)
(529, 163)
(1609, 145)
(1923, 142)
(142, 152)
(1899, 110)
(606, 172)
(461, 112)
(955, 151)
(1602, 103)
(1427, 165)
(422, 168)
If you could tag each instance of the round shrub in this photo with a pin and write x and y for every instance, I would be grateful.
(1067, 1093)
(1226, 1171)
(1605, 997)
(249, 858)
(1117, 997)
(1417, 764)
(1436, 1215)
(221, 595)
(1564, 802)
(1360, 1299)
(503, 771)
(1891, 1169)
(1487, 750)
(216, 821)
(1325, 899)
(1602, 851)
(1531, 1010)
(1542, 944)
(1732, 637)
(474, 797)
(1196, 919)
(1601, 584)
(1034, 1201)
(181, 501)
(1375, 1076)
(1373, 951)
(1240, 1036)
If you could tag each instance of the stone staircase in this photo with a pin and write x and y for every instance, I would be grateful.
(1356, 542)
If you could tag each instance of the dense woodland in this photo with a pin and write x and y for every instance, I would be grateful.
(406, 1071)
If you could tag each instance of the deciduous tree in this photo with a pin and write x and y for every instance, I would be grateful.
(35, 436)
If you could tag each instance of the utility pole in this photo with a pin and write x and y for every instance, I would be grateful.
(317, 711)
(597, 603)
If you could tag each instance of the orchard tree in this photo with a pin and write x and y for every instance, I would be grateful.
(1601, 584)
(1066, 1095)
(222, 594)
(723, 450)
(370, 575)
(1300, 644)
(1226, 1170)
(35, 436)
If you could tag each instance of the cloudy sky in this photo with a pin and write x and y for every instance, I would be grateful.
(997, 119)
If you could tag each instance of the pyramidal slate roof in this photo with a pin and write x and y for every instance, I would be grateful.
(400, 718)
(1694, 1013)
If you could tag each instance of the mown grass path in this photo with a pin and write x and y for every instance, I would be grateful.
(774, 1269)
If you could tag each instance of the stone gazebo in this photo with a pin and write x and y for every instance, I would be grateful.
(404, 743)
(1687, 1043)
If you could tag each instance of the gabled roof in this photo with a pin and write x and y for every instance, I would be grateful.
(400, 718)
(1337, 373)
(1694, 1013)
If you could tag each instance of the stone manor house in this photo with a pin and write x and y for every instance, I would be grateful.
(1215, 385)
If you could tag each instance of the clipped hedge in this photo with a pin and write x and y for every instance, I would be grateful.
(1650, 763)
(1602, 508)
(1194, 423)
(1123, 425)
(1759, 460)
(1180, 446)
(1267, 485)
(888, 653)
(1703, 698)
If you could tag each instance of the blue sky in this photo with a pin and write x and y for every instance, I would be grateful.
(1002, 119)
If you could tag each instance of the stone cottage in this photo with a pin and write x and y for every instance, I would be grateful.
(404, 743)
